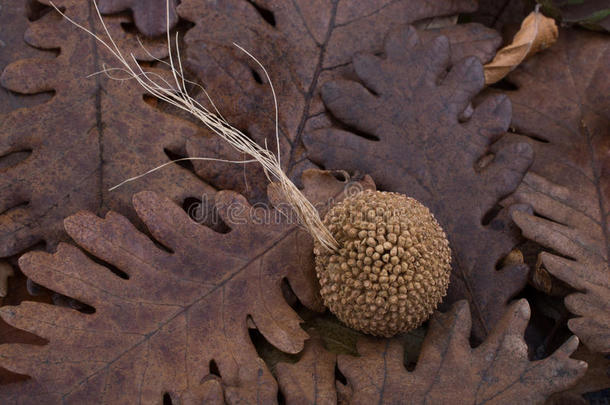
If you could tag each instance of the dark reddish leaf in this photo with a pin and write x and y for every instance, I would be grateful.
(184, 305)
(449, 370)
(415, 132)
(150, 17)
(302, 44)
(94, 133)
(562, 105)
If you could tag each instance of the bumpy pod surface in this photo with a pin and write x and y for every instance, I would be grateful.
(393, 266)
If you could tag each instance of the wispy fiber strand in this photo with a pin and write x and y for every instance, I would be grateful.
(178, 96)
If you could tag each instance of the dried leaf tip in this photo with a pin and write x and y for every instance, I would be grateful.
(537, 33)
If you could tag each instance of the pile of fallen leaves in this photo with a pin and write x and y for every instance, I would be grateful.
(190, 286)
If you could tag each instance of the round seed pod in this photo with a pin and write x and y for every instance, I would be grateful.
(393, 265)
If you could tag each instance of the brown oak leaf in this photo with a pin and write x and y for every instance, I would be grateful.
(93, 133)
(175, 308)
(150, 17)
(415, 132)
(563, 109)
(597, 378)
(14, 22)
(312, 379)
(449, 370)
(302, 44)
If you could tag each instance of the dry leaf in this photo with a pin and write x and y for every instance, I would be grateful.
(596, 378)
(421, 137)
(562, 106)
(92, 134)
(14, 22)
(78, 153)
(310, 381)
(150, 16)
(302, 44)
(114, 121)
(175, 308)
(537, 33)
(449, 370)
(582, 261)
(466, 40)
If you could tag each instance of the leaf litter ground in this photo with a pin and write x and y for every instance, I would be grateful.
(189, 141)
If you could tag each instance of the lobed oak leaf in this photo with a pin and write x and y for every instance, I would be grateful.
(92, 134)
(302, 44)
(415, 131)
(173, 306)
(449, 370)
(150, 17)
(14, 22)
(563, 110)
(582, 262)
(597, 378)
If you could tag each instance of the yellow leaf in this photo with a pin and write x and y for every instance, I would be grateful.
(537, 32)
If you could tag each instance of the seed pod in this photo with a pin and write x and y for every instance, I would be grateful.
(393, 265)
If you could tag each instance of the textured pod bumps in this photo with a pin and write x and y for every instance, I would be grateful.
(393, 265)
